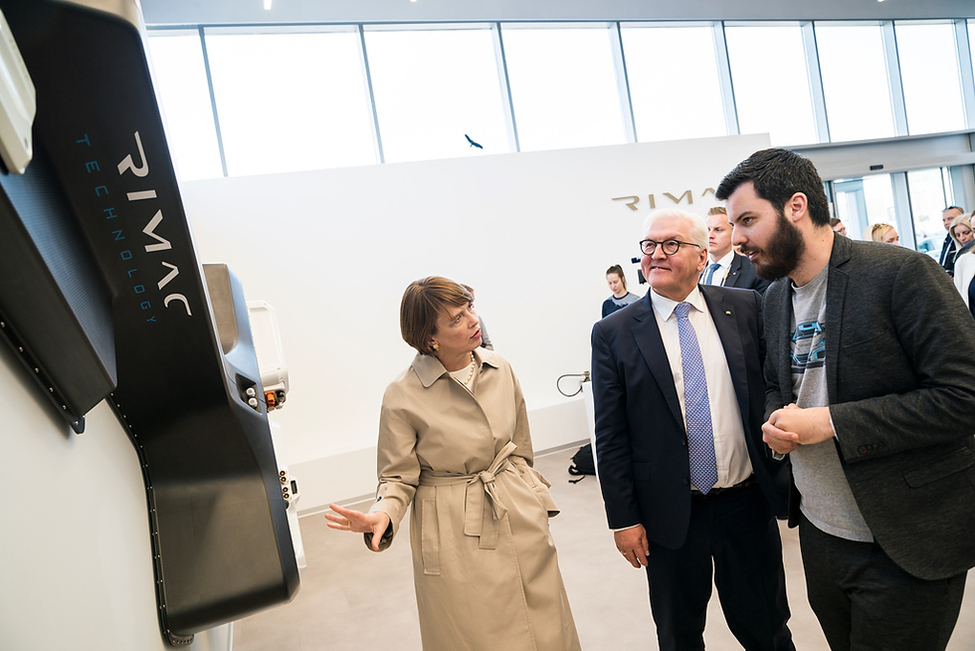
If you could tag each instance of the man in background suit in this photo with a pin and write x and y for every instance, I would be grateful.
(949, 250)
(871, 389)
(687, 484)
(727, 267)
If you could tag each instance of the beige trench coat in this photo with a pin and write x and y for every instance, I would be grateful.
(484, 564)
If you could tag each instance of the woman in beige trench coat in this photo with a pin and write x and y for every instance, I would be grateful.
(454, 443)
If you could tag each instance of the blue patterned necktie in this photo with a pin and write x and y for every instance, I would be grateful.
(714, 267)
(700, 437)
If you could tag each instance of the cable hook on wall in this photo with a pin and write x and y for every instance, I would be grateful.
(585, 378)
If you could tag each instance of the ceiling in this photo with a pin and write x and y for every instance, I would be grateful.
(233, 12)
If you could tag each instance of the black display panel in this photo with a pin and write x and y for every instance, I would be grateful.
(55, 305)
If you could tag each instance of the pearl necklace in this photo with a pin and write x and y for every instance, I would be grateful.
(470, 376)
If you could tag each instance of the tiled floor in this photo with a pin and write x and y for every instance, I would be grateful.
(351, 598)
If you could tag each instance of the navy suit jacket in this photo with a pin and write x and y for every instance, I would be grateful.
(900, 375)
(742, 274)
(641, 442)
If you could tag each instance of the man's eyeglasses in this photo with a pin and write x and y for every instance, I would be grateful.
(670, 247)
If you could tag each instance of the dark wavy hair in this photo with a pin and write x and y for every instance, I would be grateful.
(777, 175)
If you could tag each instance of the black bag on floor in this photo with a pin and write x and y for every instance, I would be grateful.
(582, 463)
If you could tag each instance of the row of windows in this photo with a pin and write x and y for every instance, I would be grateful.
(269, 99)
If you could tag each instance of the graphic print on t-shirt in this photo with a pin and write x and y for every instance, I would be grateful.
(808, 346)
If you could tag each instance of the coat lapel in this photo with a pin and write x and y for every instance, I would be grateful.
(733, 270)
(647, 336)
(836, 286)
(723, 317)
(778, 313)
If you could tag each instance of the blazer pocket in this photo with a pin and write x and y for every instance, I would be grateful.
(430, 537)
(880, 337)
(955, 462)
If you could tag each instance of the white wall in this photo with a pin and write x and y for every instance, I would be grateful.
(75, 557)
(76, 562)
(533, 233)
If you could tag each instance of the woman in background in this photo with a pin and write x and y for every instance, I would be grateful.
(884, 233)
(961, 232)
(617, 284)
(454, 444)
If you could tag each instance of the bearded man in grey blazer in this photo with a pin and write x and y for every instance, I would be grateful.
(870, 392)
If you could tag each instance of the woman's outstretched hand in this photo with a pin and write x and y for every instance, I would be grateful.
(349, 520)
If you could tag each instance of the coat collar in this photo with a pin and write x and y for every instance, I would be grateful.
(650, 343)
(726, 323)
(646, 333)
(428, 368)
(837, 281)
(736, 264)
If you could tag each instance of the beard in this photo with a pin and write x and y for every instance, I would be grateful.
(781, 255)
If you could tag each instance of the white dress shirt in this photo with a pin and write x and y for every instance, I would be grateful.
(721, 272)
(730, 451)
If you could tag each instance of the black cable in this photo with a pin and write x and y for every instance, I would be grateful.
(584, 375)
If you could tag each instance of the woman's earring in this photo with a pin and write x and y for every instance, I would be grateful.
(434, 346)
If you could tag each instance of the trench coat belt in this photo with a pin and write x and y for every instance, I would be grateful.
(481, 516)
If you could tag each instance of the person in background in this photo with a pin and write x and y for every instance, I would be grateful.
(727, 268)
(690, 491)
(949, 248)
(965, 261)
(961, 232)
(965, 276)
(485, 339)
(884, 233)
(870, 391)
(837, 225)
(454, 443)
(617, 284)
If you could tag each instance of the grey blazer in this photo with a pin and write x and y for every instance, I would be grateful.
(900, 368)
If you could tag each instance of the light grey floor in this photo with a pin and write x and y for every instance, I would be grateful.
(351, 598)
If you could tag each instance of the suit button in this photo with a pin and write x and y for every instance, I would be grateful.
(687, 481)
(863, 450)
(683, 441)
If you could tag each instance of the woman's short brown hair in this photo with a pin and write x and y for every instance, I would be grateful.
(424, 302)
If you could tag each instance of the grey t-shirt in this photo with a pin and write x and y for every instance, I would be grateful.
(827, 500)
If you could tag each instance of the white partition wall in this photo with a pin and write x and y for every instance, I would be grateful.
(76, 562)
(533, 233)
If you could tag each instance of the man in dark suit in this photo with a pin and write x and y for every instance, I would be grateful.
(871, 397)
(687, 484)
(949, 249)
(726, 267)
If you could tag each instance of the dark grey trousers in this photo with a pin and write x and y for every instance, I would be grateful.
(865, 601)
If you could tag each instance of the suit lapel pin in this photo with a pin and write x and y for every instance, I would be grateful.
(728, 312)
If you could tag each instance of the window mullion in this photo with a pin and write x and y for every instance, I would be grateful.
(815, 73)
(724, 75)
(894, 81)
